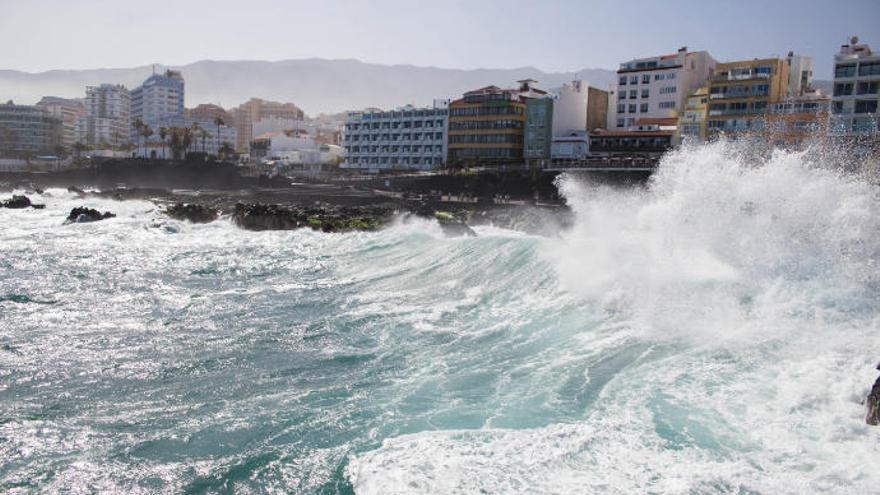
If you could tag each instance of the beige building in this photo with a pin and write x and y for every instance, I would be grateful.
(740, 94)
(68, 110)
(255, 109)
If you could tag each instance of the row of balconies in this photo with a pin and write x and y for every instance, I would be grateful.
(349, 139)
(722, 96)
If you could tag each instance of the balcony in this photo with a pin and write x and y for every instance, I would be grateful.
(740, 77)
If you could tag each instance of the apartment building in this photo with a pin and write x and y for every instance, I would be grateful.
(408, 138)
(27, 130)
(68, 110)
(854, 103)
(254, 110)
(740, 94)
(487, 125)
(657, 87)
(107, 121)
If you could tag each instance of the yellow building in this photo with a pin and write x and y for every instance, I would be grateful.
(692, 123)
(740, 94)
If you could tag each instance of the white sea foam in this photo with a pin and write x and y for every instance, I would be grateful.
(754, 294)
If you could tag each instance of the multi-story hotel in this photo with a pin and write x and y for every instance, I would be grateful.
(159, 98)
(487, 125)
(68, 110)
(856, 90)
(108, 116)
(740, 94)
(657, 87)
(28, 130)
(254, 110)
(404, 139)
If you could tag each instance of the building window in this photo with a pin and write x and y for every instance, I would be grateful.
(869, 69)
(671, 75)
(620, 122)
(844, 71)
(866, 106)
(843, 89)
(622, 81)
(632, 108)
(621, 108)
(659, 77)
(633, 94)
(633, 79)
(646, 78)
(666, 104)
(667, 90)
(643, 108)
(867, 88)
(645, 93)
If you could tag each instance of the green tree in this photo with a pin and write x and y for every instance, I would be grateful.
(226, 149)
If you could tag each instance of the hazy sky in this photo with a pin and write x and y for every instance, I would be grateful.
(552, 35)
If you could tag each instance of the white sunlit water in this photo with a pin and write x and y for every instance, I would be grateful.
(714, 332)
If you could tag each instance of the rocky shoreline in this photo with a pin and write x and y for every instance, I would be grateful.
(201, 193)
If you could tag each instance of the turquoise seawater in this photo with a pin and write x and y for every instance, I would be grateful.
(712, 333)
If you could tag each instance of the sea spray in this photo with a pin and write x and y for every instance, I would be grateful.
(712, 332)
(754, 290)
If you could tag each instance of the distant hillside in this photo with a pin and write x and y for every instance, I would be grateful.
(316, 85)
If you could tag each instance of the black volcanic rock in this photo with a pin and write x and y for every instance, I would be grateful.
(872, 403)
(260, 216)
(17, 202)
(81, 214)
(191, 212)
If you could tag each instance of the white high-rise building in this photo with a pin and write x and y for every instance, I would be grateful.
(159, 97)
(854, 103)
(108, 116)
(657, 87)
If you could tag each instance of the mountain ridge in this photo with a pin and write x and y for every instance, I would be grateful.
(317, 85)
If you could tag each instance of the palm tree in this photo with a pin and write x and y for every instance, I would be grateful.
(163, 133)
(186, 139)
(147, 132)
(218, 121)
(139, 127)
(176, 142)
(204, 135)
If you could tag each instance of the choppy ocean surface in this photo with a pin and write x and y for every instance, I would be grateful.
(714, 333)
